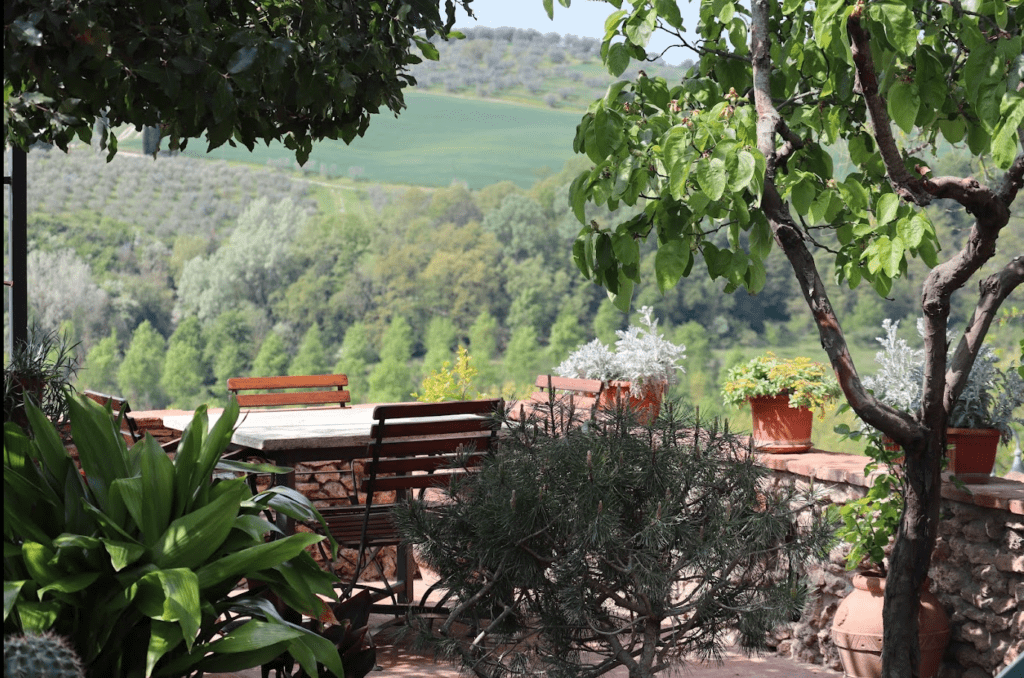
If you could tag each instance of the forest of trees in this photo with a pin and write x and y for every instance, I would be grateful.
(175, 274)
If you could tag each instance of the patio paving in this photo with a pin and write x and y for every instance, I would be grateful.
(397, 658)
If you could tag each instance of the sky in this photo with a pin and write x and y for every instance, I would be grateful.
(583, 18)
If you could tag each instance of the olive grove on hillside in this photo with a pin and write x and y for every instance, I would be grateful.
(742, 147)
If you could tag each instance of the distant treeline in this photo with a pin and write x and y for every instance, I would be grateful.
(177, 273)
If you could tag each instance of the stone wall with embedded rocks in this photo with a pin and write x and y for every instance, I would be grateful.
(977, 568)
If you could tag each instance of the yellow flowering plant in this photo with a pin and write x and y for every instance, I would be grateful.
(808, 384)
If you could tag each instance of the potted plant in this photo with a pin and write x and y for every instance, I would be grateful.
(39, 371)
(782, 394)
(981, 418)
(640, 369)
(867, 526)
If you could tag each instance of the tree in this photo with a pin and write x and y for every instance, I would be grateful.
(354, 358)
(248, 268)
(391, 378)
(184, 372)
(483, 345)
(272, 360)
(441, 337)
(140, 371)
(99, 372)
(228, 342)
(311, 358)
(522, 355)
(742, 147)
(238, 72)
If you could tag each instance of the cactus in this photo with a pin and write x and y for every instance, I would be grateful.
(45, 655)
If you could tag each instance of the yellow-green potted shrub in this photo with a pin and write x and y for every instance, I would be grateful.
(783, 395)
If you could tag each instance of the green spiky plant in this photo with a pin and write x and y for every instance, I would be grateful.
(34, 655)
(136, 559)
(612, 544)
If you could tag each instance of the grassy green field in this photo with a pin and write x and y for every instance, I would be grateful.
(437, 140)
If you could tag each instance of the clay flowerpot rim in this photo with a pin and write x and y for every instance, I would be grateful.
(874, 580)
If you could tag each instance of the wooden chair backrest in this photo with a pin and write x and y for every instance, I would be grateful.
(319, 389)
(415, 444)
(118, 406)
(587, 388)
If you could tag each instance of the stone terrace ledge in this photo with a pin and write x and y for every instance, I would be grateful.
(1006, 494)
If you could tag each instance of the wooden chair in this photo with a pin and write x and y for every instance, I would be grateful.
(415, 446)
(129, 429)
(312, 390)
(564, 396)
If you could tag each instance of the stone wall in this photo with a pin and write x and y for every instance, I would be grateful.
(977, 568)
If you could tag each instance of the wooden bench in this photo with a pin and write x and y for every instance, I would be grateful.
(318, 389)
(415, 446)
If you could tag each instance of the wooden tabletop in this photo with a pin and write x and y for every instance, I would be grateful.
(284, 430)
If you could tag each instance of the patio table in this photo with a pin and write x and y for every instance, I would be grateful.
(289, 437)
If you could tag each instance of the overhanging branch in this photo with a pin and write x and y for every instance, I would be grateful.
(790, 239)
(994, 290)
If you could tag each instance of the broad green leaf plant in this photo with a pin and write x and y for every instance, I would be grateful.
(137, 558)
(738, 159)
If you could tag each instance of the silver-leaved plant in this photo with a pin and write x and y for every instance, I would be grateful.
(642, 356)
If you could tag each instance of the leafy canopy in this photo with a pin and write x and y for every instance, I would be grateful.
(688, 152)
(239, 72)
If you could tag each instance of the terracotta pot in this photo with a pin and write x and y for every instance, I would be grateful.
(779, 428)
(857, 629)
(972, 453)
(648, 405)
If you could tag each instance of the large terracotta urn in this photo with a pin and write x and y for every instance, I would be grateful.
(647, 405)
(779, 428)
(857, 629)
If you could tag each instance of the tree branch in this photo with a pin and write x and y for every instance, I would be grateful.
(903, 183)
(994, 290)
(789, 238)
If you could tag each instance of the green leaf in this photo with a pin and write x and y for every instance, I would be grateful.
(191, 539)
(912, 230)
(163, 637)
(669, 11)
(12, 589)
(607, 128)
(802, 195)
(617, 60)
(1005, 142)
(70, 584)
(123, 553)
(171, 595)
(578, 192)
(712, 177)
(761, 239)
(892, 265)
(626, 248)
(254, 558)
(549, 7)
(672, 261)
(904, 102)
(242, 60)
(744, 171)
(886, 207)
(755, 276)
(253, 635)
